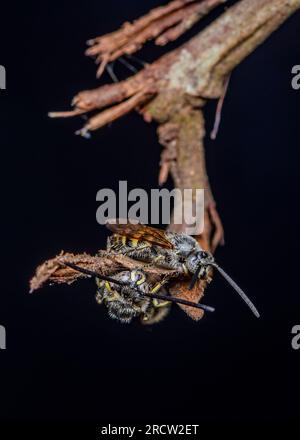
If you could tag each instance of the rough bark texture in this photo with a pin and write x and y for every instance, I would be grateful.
(173, 90)
(164, 24)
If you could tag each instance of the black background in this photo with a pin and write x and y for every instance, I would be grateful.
(65, 359)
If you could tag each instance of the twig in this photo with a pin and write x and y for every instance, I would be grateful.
(173, 89)
(217, 122)
(163, 24)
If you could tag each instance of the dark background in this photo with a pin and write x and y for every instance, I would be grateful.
(65, 359)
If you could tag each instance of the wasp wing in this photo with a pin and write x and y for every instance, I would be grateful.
(138, 231)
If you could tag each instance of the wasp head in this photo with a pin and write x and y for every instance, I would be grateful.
(199, 262)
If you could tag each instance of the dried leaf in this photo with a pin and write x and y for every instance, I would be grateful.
(55, 272)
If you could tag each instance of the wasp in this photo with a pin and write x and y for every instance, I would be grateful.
(171, 250)
(129, 294)
(128, 301)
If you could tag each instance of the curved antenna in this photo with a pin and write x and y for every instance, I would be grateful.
(237, 289)
(125, 283)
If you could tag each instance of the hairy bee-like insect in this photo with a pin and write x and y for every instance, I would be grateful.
(125, 302)
(128, 295)
(169, 250)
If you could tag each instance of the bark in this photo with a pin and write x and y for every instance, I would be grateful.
(173, 90)
(164, 24)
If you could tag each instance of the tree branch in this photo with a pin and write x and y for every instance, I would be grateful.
(173, 90)
(164, 24)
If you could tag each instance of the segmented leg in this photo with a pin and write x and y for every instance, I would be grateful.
(155, 314)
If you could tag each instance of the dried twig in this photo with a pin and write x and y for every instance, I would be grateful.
(217, 122)
(164, 24)
(173, 90)
(177, 85)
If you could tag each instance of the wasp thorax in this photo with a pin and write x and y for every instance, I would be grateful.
(124, 302)
(200, 259)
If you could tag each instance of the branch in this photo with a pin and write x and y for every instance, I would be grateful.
(184, 156)
(173, 90)
(164, 24)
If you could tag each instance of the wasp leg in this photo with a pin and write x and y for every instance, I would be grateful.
(155, 314)
(142, 252)
(157, 287)
(155, 261)
(159, 309)
(168, 260)
(99, 297)
(158, 304)
(105, 293)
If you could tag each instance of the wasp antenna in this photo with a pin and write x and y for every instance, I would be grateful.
(195, 277)
(79, 269)
(124, 283)
(180, 301)
(238, 290)
(92, 273)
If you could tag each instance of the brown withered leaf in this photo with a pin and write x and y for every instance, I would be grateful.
(180, 289)
(54, 271)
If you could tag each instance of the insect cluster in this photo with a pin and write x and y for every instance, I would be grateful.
(136, 293)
